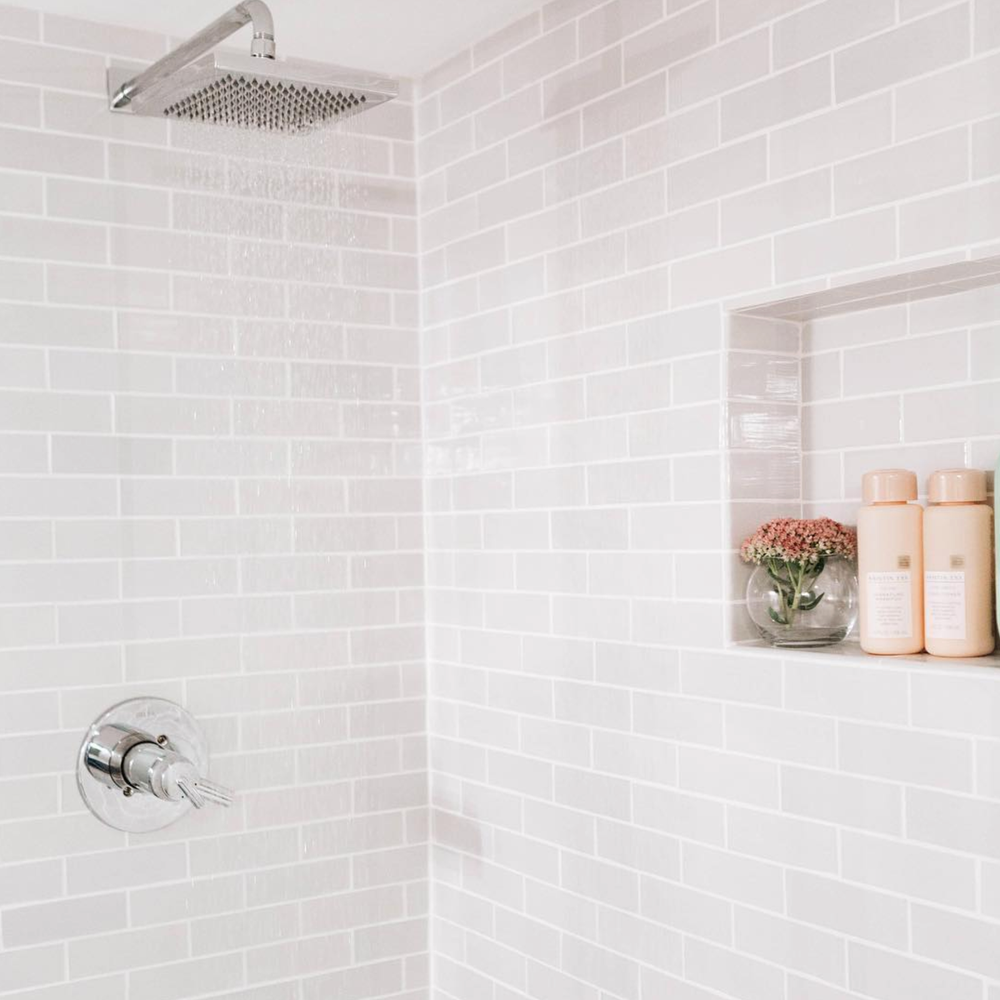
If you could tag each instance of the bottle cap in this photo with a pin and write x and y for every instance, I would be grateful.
(957, 486)
(889, 486)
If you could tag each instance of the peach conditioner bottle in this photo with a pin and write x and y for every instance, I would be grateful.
(890, 563)
(958, 565)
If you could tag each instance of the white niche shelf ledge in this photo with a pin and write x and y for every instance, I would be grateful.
(901, 370)
(850, 653)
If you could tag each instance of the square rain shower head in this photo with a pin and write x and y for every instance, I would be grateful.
(291, 96)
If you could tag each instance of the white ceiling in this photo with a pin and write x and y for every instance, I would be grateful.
(399, 37)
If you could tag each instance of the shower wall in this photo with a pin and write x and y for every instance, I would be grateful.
(621, 806)
(209, 492)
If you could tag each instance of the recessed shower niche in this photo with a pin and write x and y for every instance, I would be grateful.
(899, 370)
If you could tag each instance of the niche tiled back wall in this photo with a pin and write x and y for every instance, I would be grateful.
(622, 807)
(210, 492)
(916, 383)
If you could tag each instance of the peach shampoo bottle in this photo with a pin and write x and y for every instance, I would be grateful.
(958, 565)
(890, 563)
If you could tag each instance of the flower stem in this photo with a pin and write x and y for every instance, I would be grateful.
(793, 608)
(790, 581)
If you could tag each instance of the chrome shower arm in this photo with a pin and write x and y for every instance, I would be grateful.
(260, 14)
(230, 89)
(250, 11)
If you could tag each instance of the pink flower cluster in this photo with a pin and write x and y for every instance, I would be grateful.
(797, 541)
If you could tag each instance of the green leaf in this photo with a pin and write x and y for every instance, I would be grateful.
(812, 602)
(775, 617)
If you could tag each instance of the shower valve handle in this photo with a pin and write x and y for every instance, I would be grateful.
(135, 761)
(205, 790)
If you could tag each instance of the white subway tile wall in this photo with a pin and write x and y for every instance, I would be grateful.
(215, 414)
(623, 808)
(210, 491)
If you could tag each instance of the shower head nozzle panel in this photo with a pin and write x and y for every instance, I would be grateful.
(284, 96)
(246, 102)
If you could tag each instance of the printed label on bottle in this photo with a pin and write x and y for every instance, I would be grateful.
(890, 605)
(944, 604)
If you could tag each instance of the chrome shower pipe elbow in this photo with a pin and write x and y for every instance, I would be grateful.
(262, 46)
(254, 12)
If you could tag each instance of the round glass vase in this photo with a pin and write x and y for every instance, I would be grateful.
(796, 605)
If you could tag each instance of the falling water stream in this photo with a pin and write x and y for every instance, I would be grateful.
(283, 216)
